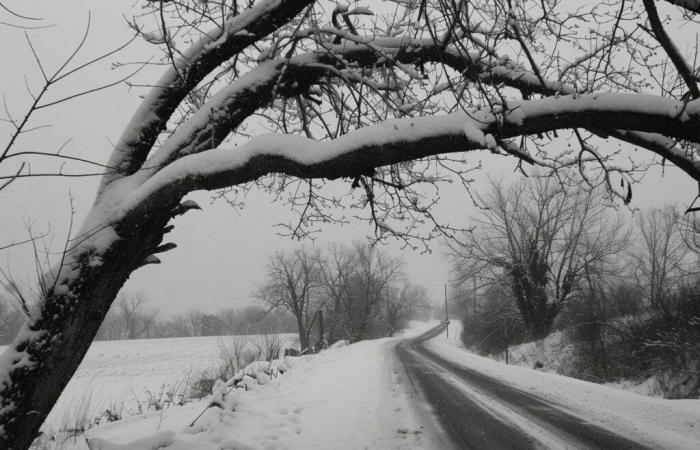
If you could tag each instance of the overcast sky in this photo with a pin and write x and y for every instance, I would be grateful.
(222, 252)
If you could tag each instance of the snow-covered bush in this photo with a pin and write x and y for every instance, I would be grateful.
(236, 353)
(651, 352)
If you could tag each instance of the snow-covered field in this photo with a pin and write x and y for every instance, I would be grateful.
(668, 424)
(119, 374)
(347, 397)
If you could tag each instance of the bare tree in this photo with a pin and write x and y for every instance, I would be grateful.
(134, 315)
(15, 158)
(365, 288)
(293, 282)
(179, 326)
(230, 319)
(358, 282)
(661, 255)
(540, 240)
(194, 320)
(690, 230)
(336, 270)
(357, 97)
(373, 277)
(149, 323)
(403, 305)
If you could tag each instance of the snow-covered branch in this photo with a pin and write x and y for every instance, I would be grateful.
(400, 140)
(205, 54)
(207, 128)
(690, 5)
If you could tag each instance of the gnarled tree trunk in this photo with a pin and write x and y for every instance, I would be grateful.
(49, 348)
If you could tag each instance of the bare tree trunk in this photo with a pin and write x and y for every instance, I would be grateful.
(303, 336)
(321, 330)
(49, 348)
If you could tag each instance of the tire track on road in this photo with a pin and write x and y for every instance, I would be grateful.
(508, 419)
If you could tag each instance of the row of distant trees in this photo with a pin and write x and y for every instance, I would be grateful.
(131, 317)
(351, 293)
(343, 292)
(545, 256)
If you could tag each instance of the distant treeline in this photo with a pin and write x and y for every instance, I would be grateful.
(132, 318)
(323, 295)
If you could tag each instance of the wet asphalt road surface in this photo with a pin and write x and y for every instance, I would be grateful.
(479, 412)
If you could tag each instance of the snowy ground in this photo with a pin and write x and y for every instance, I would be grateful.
(555, 355)
(558, 356)
(349, 397)
(117, 375)
(357, 397)
(671, 424)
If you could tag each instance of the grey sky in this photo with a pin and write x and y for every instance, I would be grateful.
(222, 252)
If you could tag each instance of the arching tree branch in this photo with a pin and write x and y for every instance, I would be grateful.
(208, 52)
(409, 139)
(690, 5)
(671, 50)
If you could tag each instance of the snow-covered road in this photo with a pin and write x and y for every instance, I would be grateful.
(360, 397)
(480, 412)
(555, 411)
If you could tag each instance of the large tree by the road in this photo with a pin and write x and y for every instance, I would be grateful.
(372, 99)
(361, 290)
(410, 302)
(661, 256)
(540, 241)
(293, 282)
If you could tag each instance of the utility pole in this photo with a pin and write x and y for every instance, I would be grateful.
(507, 343)
(474, 295)
(447, 319)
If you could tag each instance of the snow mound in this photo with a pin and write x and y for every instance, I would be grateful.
(259, 371)
(338, 344)
(158, 440)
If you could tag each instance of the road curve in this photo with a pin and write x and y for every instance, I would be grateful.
(479, 412)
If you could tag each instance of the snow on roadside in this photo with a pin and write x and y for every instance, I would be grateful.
(558, 356)
(661, 423)
(347, 397)
(552, 352)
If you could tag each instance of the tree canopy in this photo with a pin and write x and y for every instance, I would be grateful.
(390, 99)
